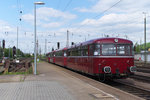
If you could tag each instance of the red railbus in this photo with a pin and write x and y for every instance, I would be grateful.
(51, 57)
(61, 57)
(47, 57)
(103, 57)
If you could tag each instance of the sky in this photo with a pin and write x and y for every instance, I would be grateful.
(84, 19)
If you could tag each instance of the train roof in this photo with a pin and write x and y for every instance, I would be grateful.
(61, 49)
(104, 40)
(107, 40)
(99, 40)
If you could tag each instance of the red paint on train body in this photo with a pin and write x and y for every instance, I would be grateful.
(51, 57)
(61, 57)
(110, 57)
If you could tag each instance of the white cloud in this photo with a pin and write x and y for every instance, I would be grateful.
(111, 19)
(46, 15)
(126, 18)
(5, 27)
(123, 6)
(28, 18)
(100, 6)
(50, 12)
(52, 25)
(114, 24)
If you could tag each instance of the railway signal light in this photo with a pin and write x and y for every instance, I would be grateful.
(3, 44)
(72, 43)
(58, 45)
(52, 49)
(14, 51)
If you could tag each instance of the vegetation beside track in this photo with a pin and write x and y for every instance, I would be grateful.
(29, 71)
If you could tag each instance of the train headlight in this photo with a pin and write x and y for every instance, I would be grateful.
(133, 69)
(107, 69)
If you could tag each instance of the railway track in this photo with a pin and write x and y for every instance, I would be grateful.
(140, 92)
(135, 90)
(142, 74)
(144, 77)
(124, 86)
(143, 69)
(141, 78)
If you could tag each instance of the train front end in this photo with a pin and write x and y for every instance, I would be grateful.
(113, 58)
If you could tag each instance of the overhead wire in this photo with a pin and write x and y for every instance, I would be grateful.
(58, 5)
(64, 9)
(108, 8)
(69, 2)
(100, 13)
(19, 9)
(67, 5)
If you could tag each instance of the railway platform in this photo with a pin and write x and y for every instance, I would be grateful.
(54, 83)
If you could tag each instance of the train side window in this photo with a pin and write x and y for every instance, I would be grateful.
(65, 54)
(97, 50)
(91, 50)
(76, 52)
(71, 52)
(84, 50)
(56, 54)
(79, 51)
(52, 55)
(68, 52)
(132, 51)
(128, 50)
(61, 53)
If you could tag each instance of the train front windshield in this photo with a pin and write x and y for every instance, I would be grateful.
(113, 49)
(108, 49)
(124, 49)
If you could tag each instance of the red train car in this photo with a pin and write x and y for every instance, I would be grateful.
(47, 57)
(103, 57)
(51, 57)
(61, 57)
